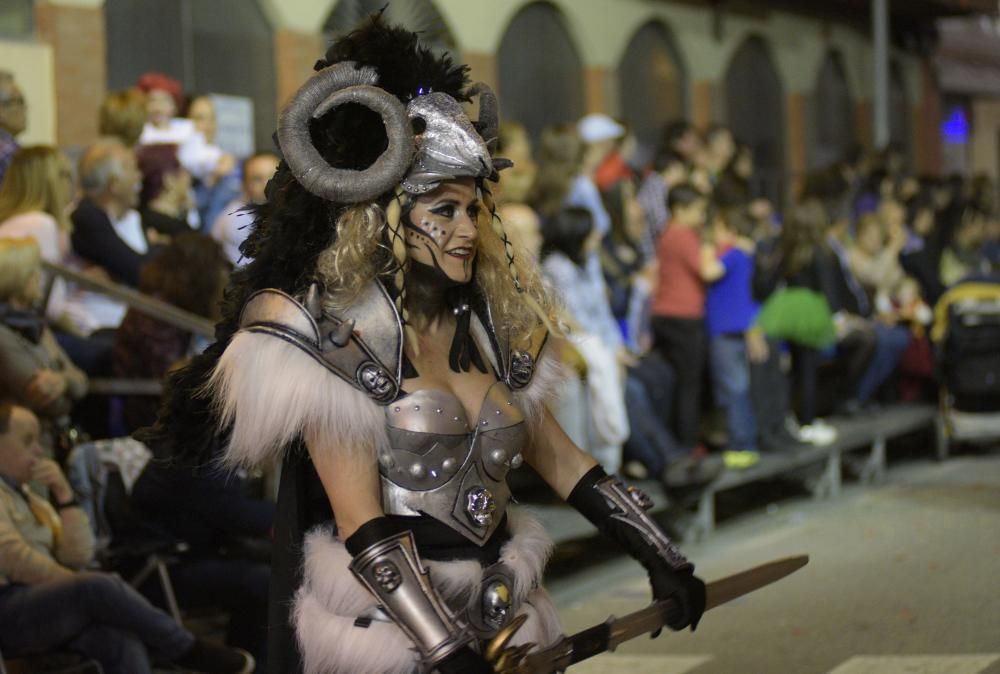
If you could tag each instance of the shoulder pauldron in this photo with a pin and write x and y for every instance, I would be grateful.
(364, 344)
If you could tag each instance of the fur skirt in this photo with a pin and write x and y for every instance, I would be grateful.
(330, 600)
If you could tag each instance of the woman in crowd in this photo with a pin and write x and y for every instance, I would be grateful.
(190, 273)
(123, 116)
(164, 98)
(393, 295)
(212, 192)
(628, 275)
(34, 370)
(35, 199)
(165, 199)
(796, 279)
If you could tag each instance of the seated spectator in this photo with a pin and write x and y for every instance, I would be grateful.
(795, 277)
(13, 119)
(165, 197)
(49, 603)
(569, 240)
(647, 390)
(720, 149)
(669, 169)
(730, 313)
(123, 115)
(874, 254)
(524, 227)
(628, 276)
(232, 225)
(678, 310)
(164, 98)
(107, 230)
(514, 143)
(962, 254)
(212, 192)
(34, 201)
(190, 273)
(34, 370)
(228, 532)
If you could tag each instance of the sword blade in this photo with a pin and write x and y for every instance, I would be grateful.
(610, 634)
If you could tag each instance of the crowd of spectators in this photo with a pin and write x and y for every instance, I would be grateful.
(705, 324)
(709, 324)
(154, 206)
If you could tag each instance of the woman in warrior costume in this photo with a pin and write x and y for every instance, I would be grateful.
(386, 346)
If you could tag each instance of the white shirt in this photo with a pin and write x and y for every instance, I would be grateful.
(193, 151)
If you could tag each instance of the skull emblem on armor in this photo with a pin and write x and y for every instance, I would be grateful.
(522, 366)
(496, 604)
(374, 380)
(480, 506)
(387, 576)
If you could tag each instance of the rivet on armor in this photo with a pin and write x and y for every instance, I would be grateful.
(485, 423)
(418, 470)
(456, 418)
(416, 408)
(517, 460)
(498, 412)
(387, 461)
(498, 456)
(397, 409)
(449, 465)
(438, 410)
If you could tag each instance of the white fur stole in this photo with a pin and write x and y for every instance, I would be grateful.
(271, 392)
(330, 600)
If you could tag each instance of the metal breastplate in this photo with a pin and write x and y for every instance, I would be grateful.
(443, 466)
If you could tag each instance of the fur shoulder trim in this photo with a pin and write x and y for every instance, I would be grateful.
(271, 393)
(545, 383)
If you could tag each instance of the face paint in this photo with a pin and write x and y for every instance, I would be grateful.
(441, 229)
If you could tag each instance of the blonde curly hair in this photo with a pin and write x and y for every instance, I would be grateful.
(368, 245)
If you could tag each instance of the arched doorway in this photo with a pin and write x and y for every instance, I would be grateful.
(218, 47)
(834, 134)
(652, 81)
(419, 16)
(900, 131)
(755, 112)
(540, 72)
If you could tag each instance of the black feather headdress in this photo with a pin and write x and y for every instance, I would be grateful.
(292, 229)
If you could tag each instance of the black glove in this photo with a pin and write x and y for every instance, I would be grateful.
(683, 587)
(465, 661)
(619, 513)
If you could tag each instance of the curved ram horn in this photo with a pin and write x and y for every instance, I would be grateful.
(336, 85)
(489, 113)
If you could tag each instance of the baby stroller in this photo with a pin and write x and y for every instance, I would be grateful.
(966, 334)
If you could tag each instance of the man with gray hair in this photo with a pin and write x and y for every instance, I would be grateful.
(13, 119)
(107, 230)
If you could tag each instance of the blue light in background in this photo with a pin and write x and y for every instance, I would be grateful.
(955, 127)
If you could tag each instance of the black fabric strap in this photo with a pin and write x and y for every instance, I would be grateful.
(587, 500)
(370, 533)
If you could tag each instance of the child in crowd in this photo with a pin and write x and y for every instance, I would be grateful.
(678, 310)
(730, 311)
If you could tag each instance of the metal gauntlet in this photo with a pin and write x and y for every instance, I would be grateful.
(620, 512)
(391, 570)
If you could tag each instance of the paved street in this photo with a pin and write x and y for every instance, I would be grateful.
(903, 578)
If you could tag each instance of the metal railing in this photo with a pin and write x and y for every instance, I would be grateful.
(158, 309)
(151, 306)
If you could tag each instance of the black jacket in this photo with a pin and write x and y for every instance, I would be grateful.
(95, 240)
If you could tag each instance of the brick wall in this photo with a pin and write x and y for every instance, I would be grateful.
(295, 53)
(77, 37)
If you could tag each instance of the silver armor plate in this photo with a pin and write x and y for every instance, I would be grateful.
(443, 466)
